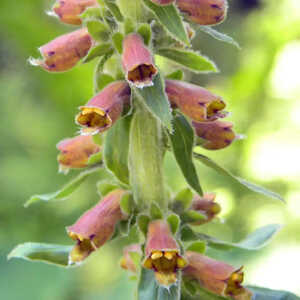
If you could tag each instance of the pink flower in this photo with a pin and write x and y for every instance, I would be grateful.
(75, 152)
(204, 12)
(96, 226)
(102, 111)
(216, 135)
(137, 61)
(69, 11)
(207, 206)
(63, 53)
(216, 276)
(194, 101)
(162, 253)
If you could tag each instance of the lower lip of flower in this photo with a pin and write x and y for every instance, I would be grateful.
(142, 74)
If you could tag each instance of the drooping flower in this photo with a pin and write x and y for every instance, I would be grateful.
(126, 261)
(75, 152)
(64, 52)
(204, 12)
(162, 253)
(69, 11)
(194, 101)
(102, 111)
(137, 61)
(216, 276)
(207, 206)
(94, 228)
(215, 135)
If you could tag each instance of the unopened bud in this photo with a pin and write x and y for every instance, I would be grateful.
(93, 229)
(207, 206)
(137, 61)
(102, 111)
(162, 253)
(63, 53)
(126, 261)
(75, 152)
(215, 135)
(204, 12)
(69, 11)
(194, 101)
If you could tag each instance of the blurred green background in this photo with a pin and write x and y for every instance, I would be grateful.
(261, 84)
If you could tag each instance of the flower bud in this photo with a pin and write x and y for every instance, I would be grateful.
(63, 53)
(137, 61)
(204, 12)
(96, 226)
(216, 134)
(216, 276)
(102, 111)
(126, 261)
(162, 253)
(75, 152)
(69, 11)
(207, 206)
(194, 101)
(163, 2)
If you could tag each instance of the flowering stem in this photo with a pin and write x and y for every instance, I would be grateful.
(146, 158)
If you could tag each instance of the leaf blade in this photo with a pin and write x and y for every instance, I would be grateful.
(251, 186)
(48, 253)
(182, 141)
(169, 17)
(189, 59)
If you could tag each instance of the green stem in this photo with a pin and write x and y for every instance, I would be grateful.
(146, 158)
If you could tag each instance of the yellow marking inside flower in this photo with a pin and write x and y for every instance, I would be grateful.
(234, 286)
(142, 74)
(165, 264)
(93, 117)
(214, 107)
(123, 263)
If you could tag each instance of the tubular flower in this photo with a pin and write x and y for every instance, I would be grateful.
(102, 111)
(207, 206)
(194, 101)
(126, 261)
(75, 152)
(163, 2)
(204, 12)
(217, 277)
(216, 134)
(96, 226)
(162, 253)
(63, 53)
(137, 61)
(69, 11)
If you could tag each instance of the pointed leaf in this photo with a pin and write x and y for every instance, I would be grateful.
(198, 247)
(98, 30)
(91, 13)
(66, 190)
(117, 39)
(155, 212)
(95, 159)
(189, 59)
(267, 294)
(104, 187)
(219, 36)
(143, 222)
(182, 140)
(183, 200)
(116, 146)
(203, 294)
(148, 289)
(145, 31)
(114, 9)
(192, 216)
(48, 253)
(176, 75)
(174, 222)
(156, 101)
(126, 204)
(256, 240)
(169, 17)
(251, 186)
